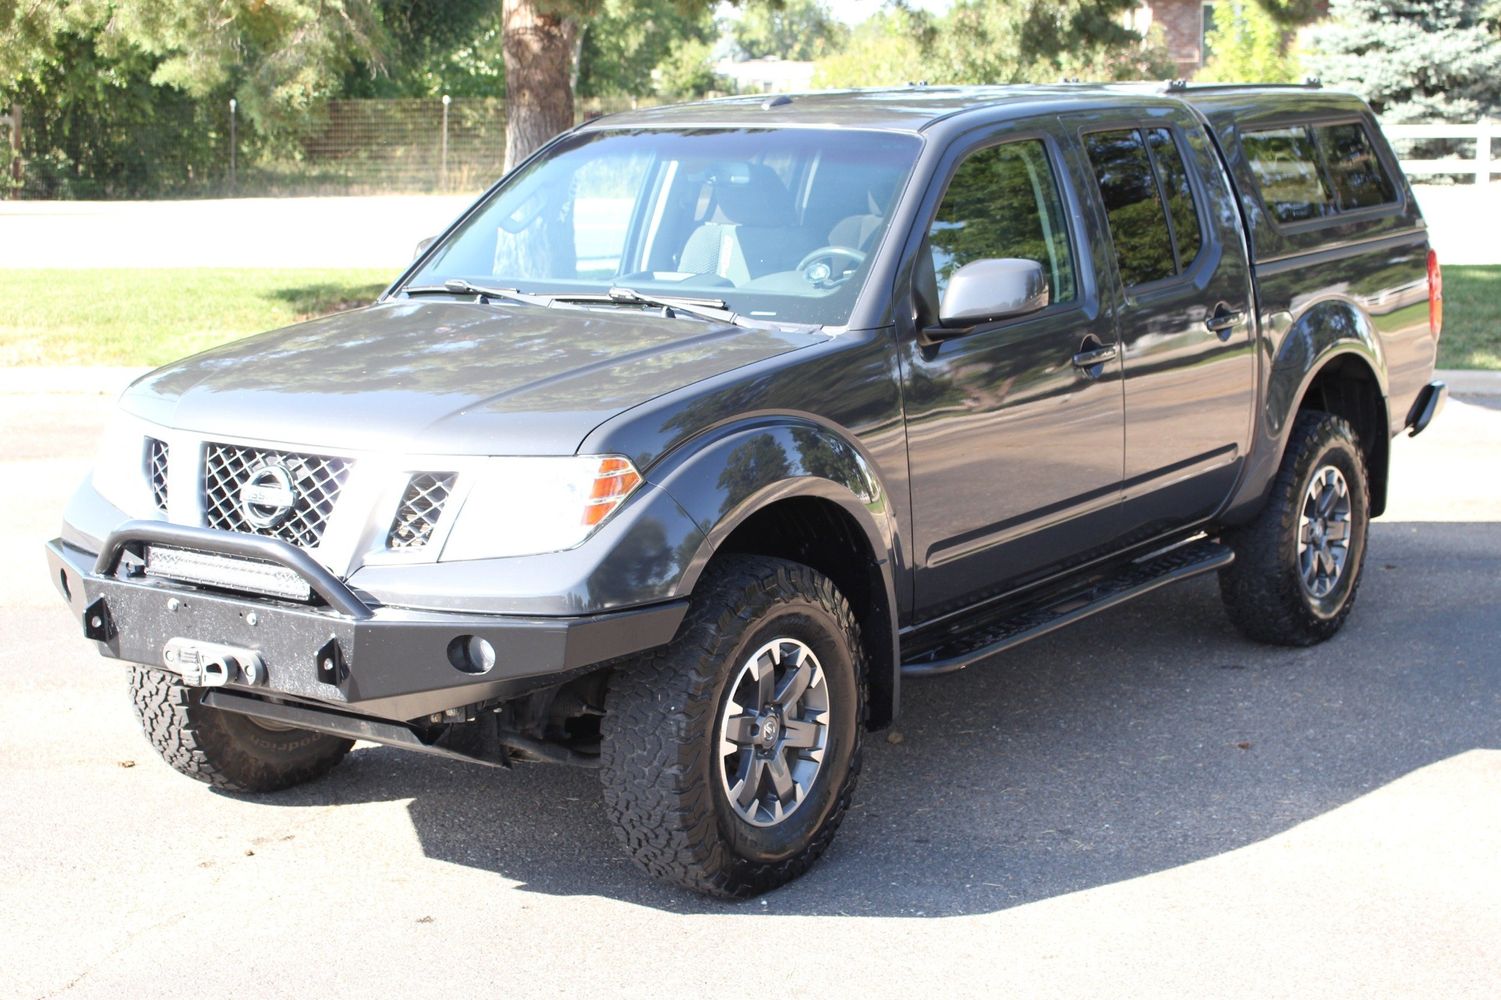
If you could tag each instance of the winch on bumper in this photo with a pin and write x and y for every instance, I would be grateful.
(378, 662)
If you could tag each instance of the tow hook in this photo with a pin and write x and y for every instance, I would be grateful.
(208, 664)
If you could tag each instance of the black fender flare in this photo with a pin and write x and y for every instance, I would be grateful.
(1325, 332)
(723, 479)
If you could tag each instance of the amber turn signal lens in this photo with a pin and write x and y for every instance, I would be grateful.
(613, 482)
(1435, 295)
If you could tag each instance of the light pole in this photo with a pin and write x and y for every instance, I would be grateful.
(233, 106)
(443, 149)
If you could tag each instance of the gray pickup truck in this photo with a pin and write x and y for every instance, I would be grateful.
(709, 424)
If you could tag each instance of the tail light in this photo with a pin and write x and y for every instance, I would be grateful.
(1435, 295)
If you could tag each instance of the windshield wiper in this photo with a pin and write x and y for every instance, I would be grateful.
(459, 286)
(714, 310)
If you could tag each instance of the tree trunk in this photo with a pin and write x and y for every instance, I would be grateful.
(539, 66)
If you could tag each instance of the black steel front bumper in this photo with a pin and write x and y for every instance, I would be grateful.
(340, 652)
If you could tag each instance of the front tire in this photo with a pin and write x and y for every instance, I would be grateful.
(1297, 566)
(730, 756)
(224, 749)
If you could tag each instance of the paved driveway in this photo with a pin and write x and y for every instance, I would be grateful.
(1144, 805)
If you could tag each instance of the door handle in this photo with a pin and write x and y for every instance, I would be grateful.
(1089, 359)
(1223, 319)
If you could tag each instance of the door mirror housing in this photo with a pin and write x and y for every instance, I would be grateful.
(990, 289)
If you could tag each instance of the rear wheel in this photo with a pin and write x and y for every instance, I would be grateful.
(1297, 566)
(730, 756)
(229, 751)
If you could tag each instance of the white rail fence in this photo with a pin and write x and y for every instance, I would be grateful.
(1482, 166)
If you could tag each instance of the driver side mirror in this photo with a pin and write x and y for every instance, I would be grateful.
(990, 289)
(422, 246)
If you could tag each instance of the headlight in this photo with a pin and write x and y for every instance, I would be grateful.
(525, 506)
(119, 473)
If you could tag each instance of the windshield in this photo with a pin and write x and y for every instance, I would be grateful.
(777, 223)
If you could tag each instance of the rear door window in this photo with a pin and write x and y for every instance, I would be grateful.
(1359, 179)
(1286, 166)
(1148, 201)
(1312, 172)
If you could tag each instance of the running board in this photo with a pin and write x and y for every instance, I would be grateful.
(988, 634)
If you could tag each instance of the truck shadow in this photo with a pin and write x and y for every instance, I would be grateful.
(1143, 739)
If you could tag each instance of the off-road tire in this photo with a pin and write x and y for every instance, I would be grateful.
(224, 749)
(661, 729)
(1263, 590)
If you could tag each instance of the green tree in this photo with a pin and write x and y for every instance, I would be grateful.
(1039, 41)
(1290, 13)
(433, 47)
(1248, 44)
(885, 50)
(995, 41)
(634, 47)
(1412, 59)
(688, 71)
(275, 56)
(794, 29)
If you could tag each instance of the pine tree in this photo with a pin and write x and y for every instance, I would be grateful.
(1413, 60)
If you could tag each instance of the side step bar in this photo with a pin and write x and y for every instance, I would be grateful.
(988, 634)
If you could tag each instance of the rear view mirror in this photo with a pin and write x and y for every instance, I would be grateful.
(422, 246)
(991, 289)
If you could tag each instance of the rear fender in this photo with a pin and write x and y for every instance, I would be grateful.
(1326, 331)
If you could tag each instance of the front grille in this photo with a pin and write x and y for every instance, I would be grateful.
(421, 506)
(315, 484)
(156, 472)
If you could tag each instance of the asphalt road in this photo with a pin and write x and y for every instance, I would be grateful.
(1145, 805)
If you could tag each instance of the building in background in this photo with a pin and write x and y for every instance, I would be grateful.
(769, 75)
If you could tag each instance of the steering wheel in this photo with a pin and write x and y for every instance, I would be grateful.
(817, 268)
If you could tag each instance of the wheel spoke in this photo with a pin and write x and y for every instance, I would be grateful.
(1337, 531)
(1327, 497)
(781, 778)
(748, 784)
(741, 730)
(796, 682)
(766, 678)
(800, 735)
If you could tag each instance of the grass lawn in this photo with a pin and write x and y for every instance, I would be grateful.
(1472, 318)
(148, 317)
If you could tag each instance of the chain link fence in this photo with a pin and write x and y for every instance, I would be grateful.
(345, 147)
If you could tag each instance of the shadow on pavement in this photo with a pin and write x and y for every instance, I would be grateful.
(1143, 739)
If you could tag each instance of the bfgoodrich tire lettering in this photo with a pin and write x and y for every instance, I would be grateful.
(665, 718)
(1297, 566)
(223, 749)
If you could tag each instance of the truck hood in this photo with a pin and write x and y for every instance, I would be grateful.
(444, 377)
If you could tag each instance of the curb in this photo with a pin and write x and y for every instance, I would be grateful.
(1464, 382)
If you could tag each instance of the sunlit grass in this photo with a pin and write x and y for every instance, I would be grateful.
(148, 317)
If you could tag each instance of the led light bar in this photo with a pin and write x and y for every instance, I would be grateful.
(207, 569)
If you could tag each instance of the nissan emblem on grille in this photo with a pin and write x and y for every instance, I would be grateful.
(241, 494)
(268, 496)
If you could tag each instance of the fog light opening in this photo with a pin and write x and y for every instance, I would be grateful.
(471, 654)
